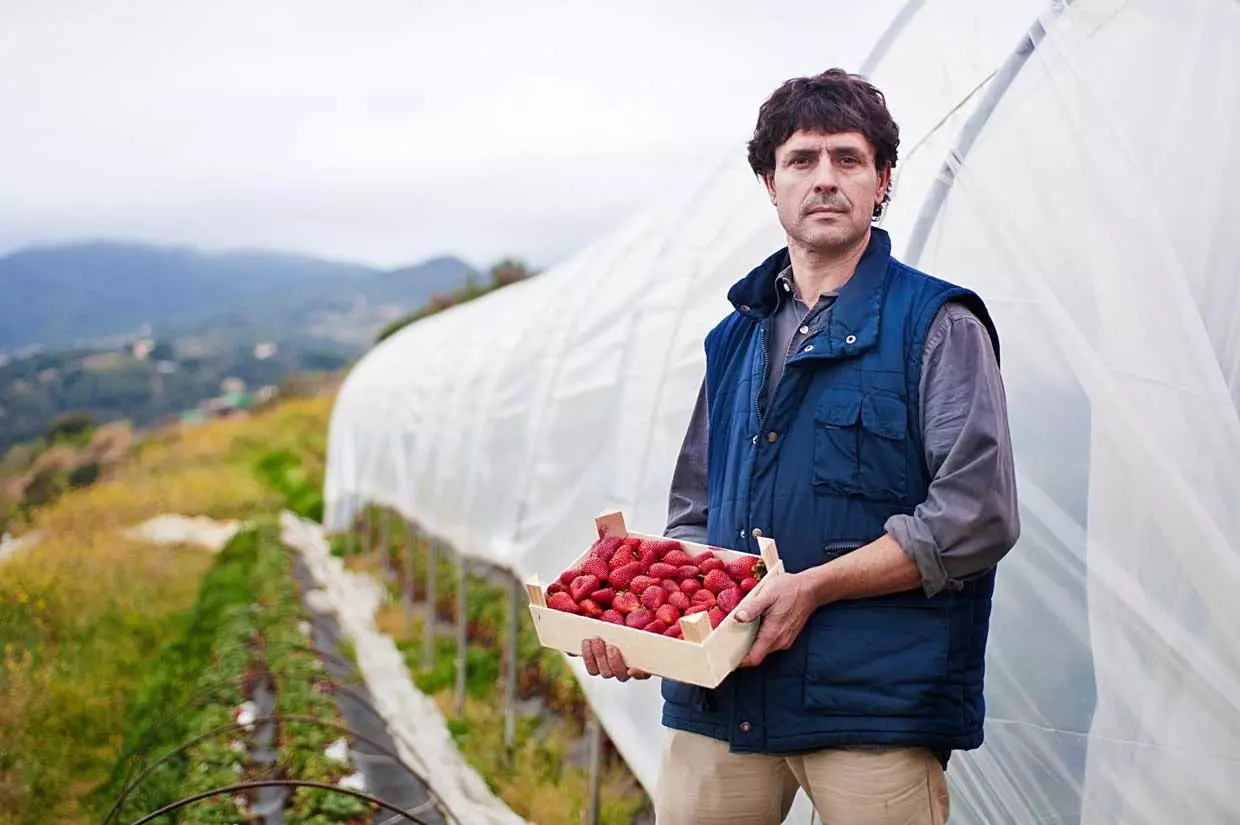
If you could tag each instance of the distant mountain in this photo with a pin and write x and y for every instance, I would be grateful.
(80, 294)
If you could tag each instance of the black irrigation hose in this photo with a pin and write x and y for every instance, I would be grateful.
(278, 783)
(124, 794)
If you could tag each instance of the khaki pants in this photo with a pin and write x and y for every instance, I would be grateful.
(702, 783)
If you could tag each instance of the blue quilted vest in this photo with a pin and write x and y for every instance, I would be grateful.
(818, 463)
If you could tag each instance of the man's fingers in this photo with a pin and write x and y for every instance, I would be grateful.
(616, 660)
(761, 646)
(587, 657)
(753, 611)
(599, 648)
(639, 674)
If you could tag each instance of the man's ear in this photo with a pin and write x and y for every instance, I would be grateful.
(768, 180)
(884, 180)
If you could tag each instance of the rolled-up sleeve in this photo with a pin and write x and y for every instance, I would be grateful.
(969, 520)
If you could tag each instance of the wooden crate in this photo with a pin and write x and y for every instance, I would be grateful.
(704, 657)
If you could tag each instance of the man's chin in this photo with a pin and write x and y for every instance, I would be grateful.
(830, 242)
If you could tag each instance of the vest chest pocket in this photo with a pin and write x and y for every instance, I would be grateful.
(859, 444)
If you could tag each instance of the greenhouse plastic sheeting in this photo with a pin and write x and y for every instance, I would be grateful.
(1074, 163)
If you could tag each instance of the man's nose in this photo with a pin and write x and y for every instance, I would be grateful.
(824, 176)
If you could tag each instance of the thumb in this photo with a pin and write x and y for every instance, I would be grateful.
(754, 609)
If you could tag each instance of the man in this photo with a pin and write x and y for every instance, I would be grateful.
(852, 410)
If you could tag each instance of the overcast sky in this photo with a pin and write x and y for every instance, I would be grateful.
(384, 132)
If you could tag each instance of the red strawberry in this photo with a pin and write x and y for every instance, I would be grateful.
(668, 614)
(619, 559)
(665, 546)
(690, 586)
(620, 579)
(582, 587)
(566, 578)
(639, 618)
(595, 567)
(729, 599)
(554, 587)
(687, 571)
(605, 547)
(741, 569)
(680, 601)
(671, 586)
(631, 542)
(717, 581)
(710, 563)
(704, 597)
(656, 626)
(563, 601)
(603, 596)
(660, 570)
(654, 597)
(675, 632)
(612, 616)
(747, 585)
(640, 583)
(647, 555)
(625, 603)
(716, 616)
(697, 608)
(591, 609)
(677, 557)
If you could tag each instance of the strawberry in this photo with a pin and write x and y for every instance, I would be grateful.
(621, 578)
(697, 608)
(563, 601)
(554, 587)
(647, 555)
(656, 626)
(582, 587)
(625, 603)
(704, 597)
(677, 557)
(668, 614)
(679, 600)
(605, 547)
(660, 570)
(687, 571)
(716, 616)
(590, 608)
(710, 563)
(654, 597)
(717, 581)
(620, 559)
(665, 546)
(640, 583)
(671, 586)
(639, 618)
(631, 542)
(690, 586)
(747, 585)
(595, 567)
(729, 599)
(566, 578)
(742, 569)
(603, 596)
(675, 632)
(612, 616)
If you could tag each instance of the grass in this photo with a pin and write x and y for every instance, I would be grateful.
(84, 613)
(539, 781)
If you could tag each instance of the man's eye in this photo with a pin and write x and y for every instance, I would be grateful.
(800, 161)
(848, 160)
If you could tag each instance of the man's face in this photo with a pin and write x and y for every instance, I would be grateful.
(825, 188)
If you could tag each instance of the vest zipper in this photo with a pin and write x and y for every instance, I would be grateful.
(758, 410)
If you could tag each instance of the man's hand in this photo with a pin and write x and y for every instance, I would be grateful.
(785, 604)
(602, 659)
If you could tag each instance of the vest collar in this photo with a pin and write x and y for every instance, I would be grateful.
(855, 315)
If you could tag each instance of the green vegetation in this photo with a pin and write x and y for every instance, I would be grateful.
(505, 273)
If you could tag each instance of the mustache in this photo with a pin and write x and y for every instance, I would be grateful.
(836, 201)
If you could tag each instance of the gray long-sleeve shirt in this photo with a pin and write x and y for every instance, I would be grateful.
(969, 519)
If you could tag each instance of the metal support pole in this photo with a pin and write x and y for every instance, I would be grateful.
(595, 731)
(515, 595)
(432, 604)
(407, 590)
(385, 543)
(462, 639)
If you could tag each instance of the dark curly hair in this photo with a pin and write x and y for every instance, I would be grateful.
(834, 101)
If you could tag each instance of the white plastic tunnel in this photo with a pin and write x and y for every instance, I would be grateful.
(1074, 163)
